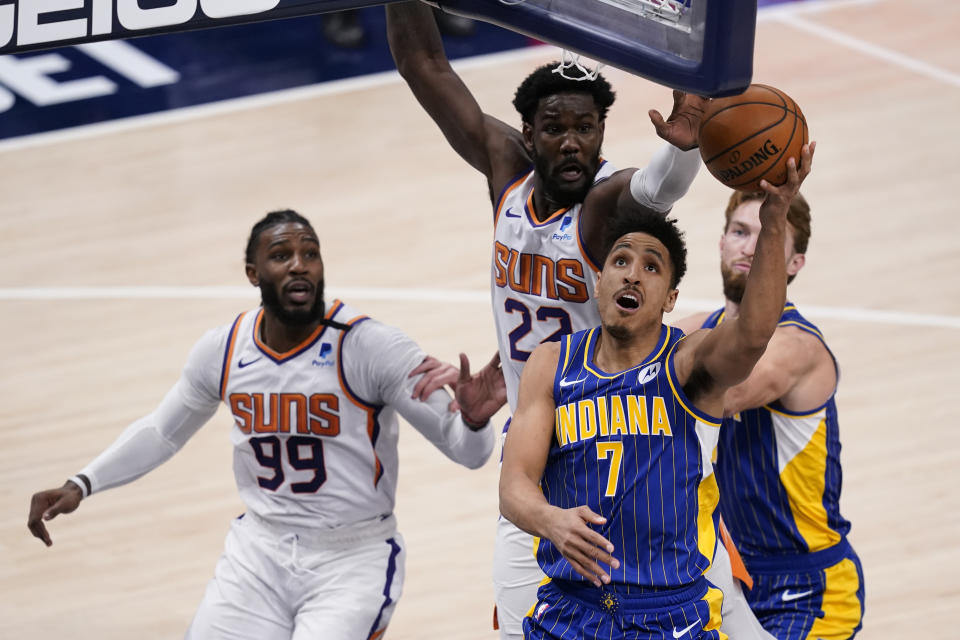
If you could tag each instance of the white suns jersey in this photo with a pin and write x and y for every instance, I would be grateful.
(542, 279)
(308, 451)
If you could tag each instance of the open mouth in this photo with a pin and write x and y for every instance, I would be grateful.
(571, 172)
(299, 292)
(628, 301)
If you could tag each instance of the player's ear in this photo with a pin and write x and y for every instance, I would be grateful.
(527, 132)
(795, 263)
(252, 275)
(671, 301)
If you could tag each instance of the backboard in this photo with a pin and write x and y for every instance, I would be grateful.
(700, 46)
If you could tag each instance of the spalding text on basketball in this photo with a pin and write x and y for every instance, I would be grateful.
(768, 151)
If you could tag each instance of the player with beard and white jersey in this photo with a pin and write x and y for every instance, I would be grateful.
(314, 391)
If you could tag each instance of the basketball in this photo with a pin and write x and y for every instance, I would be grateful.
(749, 137)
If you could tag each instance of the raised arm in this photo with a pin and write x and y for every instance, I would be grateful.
(658, 186)
(524, 458)
(489, 145)
(723, 357)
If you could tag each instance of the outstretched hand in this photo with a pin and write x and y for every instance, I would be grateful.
(779, 197)
(479, 396)
(46, 505)
(584, 548)
(682, 127)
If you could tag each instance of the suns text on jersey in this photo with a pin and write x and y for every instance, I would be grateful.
(538, 275)
(286, 413)
(607, 416)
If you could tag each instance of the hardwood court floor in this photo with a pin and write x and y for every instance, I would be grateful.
(170, 204)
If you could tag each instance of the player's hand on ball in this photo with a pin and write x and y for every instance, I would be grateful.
(46, 505)
(584, 548)
(779, 197)
(682, 127)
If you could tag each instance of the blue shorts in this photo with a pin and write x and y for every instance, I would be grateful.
(811, 596)
(568, 610)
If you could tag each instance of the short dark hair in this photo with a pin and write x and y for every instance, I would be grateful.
(654, 224)
(543, 82)
(272, 219)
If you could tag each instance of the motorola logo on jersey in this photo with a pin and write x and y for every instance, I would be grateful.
(286, 413)
(538, 275)
(36, 22)
(648, 373)
(588, 419)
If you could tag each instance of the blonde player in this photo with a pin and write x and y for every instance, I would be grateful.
(314, 390)
(778, 462)
(552, 195)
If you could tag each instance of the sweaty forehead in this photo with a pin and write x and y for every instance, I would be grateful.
(567, 102)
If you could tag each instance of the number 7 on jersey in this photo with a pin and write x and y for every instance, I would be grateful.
(613, 450)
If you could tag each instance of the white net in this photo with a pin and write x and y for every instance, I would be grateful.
(570, 60)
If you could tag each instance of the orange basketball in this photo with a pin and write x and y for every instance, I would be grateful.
(749, 137)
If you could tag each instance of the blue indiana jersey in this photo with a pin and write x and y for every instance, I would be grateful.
(633, 448)
(779, 471)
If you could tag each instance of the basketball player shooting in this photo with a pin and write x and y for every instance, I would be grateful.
(552, 195)
(314, 390)
(609, 455)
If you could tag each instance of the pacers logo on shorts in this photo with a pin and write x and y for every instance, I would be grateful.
(609, 601)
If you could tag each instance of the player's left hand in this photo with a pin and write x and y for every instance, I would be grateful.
(682, 127)
(480, 396)
(436, 374)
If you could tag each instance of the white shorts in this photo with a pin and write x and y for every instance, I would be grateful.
(273, 584)
(516, 577)
(738, 623)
